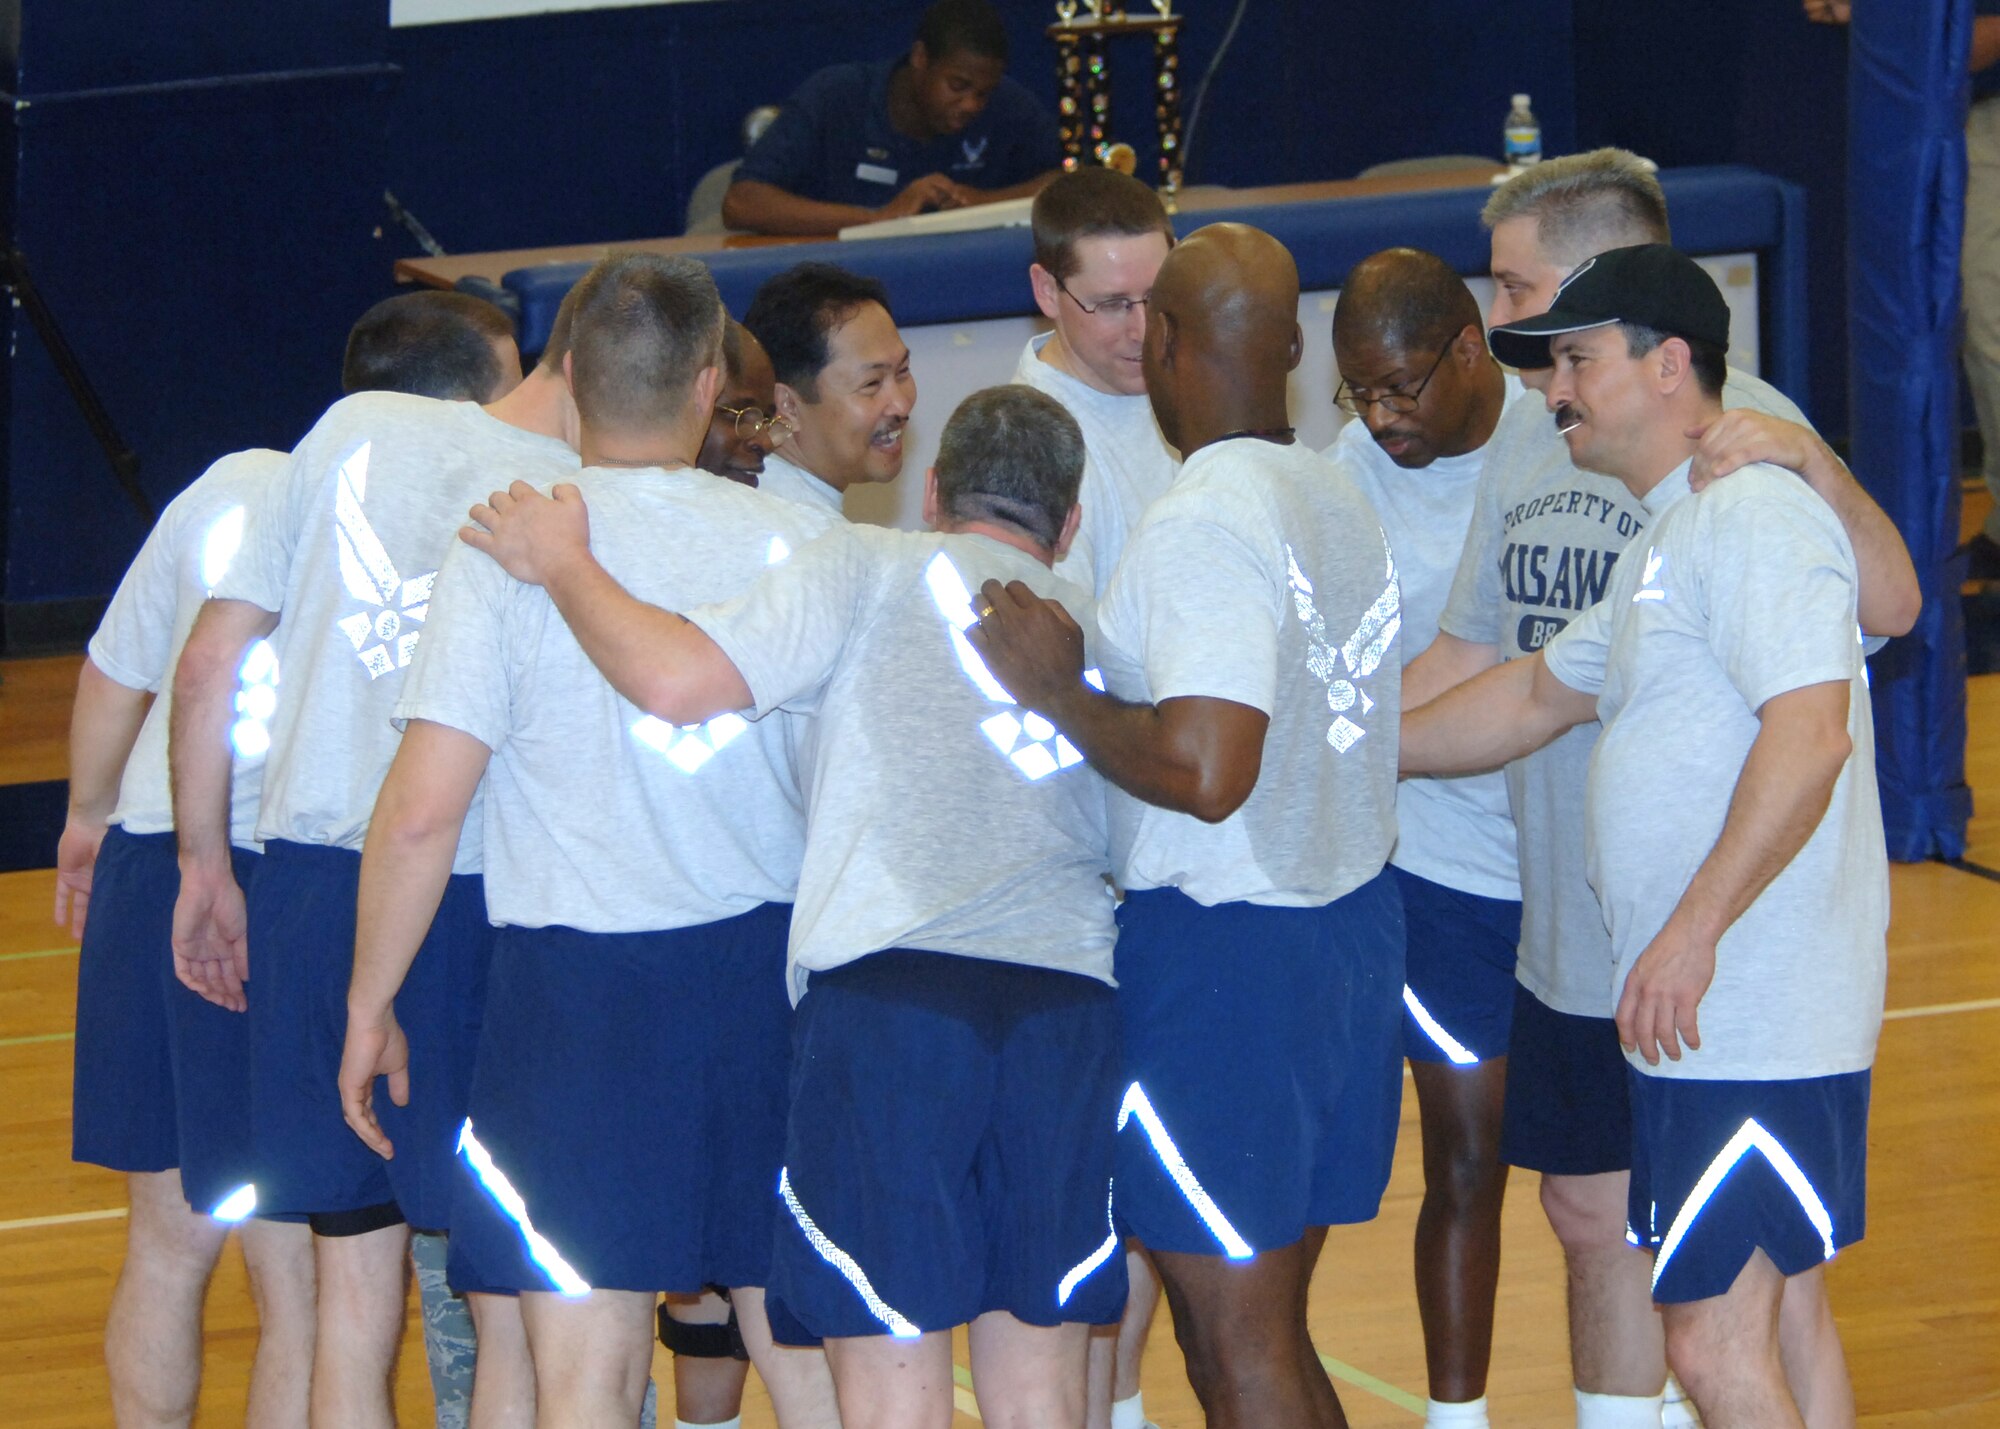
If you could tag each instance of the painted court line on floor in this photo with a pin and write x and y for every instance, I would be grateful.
(961, 1393)
(117, 1213)
(39, 953)
(39, 1037)
(1380, 1388)
(1939, 1009)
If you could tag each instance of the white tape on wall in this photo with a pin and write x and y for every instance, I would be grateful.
(445, 12)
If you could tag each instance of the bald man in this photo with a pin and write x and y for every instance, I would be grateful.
(1428, 395)
(1250, 729)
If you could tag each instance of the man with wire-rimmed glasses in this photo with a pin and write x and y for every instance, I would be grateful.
(1426, 395)
(744, 427)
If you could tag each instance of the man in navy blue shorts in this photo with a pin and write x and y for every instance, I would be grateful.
(1734, 836)
(1250, 726)
(1426, 396)
(948, 1156)
(941, 127)
(346, 544)
(626, 1117)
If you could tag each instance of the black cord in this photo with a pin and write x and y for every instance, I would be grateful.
(1201, 93)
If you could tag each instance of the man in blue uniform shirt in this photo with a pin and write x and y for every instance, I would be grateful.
(941, 127)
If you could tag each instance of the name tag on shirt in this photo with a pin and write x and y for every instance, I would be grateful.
(874, 174)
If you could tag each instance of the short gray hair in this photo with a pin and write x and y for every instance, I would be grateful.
(1011, 454)
(1584, 204)
(643, 329)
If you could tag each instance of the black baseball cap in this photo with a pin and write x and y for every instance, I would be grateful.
(1651, 285)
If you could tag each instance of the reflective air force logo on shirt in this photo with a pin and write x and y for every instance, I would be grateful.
(1343, 670)
(974, 153)
(1029, 742)
(381, 639)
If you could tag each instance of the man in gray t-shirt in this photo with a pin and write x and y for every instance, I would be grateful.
(1734, 839)
(948, 1157)
(1545, 540)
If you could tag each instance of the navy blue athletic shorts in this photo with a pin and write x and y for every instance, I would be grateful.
(627, 1118)
(162, 1074)
(949, 1150)
(1567, 1111)
(1721, 1169)
(1458, 988)
(302, 905)
(1263, 1051)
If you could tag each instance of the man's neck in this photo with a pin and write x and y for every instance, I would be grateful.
(1666, 448)
(637, 449)
(905, 117)
(1487, 404)
(1006, 535)
(540, 404)
(803, 459)
(1057, 354)
(1267, 415)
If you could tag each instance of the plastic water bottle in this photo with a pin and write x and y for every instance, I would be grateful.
(1521, 144)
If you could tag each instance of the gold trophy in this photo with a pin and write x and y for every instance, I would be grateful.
(1083, 79)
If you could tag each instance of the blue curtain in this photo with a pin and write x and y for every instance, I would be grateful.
(1906, 202)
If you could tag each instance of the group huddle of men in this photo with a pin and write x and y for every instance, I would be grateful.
(661, 886)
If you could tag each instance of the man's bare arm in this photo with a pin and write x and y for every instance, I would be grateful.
(1787, 781)
(1445, 662)
(103, 726)
(1889, 597)
(1195, 756)
(654, 658)
(758, 207)
(405, 864)
(1492, 719)
(210, 954)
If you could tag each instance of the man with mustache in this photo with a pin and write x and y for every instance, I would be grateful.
(843, 383)
(1545, 538)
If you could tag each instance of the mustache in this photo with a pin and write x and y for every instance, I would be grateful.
(1566, 419)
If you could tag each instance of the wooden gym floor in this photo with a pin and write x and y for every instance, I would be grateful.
(1918, 1301)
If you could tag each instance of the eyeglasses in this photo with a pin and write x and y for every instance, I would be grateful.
(751, 421)
(1110, 307)
(1350, 400)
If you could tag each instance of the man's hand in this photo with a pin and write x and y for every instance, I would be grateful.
(1031, 645)
(535, 538)
(376, 1047)
(1662, 993)
(76, 859)
(211, 943)
(930, 191)
(1738, 438)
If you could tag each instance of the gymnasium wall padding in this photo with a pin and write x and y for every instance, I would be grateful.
(1906, 165)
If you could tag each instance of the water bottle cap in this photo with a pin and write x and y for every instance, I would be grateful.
(1520, 101)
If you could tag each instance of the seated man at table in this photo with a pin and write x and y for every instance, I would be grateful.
(940, 127)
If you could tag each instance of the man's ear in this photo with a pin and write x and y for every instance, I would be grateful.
(1170, 333)
(569, 373)
(920, 56)
(787, 401)
(1469, 347)
(1048, 297)
(707, 387)
(1675, 365)
(1298, 349)
(930, 497)
(1071, 524)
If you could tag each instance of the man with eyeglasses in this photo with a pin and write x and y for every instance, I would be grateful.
(745, 427)
(842, 384)
(1427, 395)
(1100, 237)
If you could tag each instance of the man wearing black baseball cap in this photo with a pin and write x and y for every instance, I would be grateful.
(1734, 833)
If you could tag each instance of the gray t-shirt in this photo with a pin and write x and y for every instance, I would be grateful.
(599, 816)
(1263, 577)
(139, 641)
(1544, 542)
(940, 814)
(1456, 831)
(790, 482)
(1734, 596)
(1127, 465)
(347, 544)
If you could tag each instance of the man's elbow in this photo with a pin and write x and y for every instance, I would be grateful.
(1215, 796)
(736, 210)
(1899, 615)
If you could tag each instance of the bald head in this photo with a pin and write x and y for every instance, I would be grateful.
(1403, 299)
(1223, 332)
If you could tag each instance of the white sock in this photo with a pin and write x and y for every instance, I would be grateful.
(1617, 1411)
(1129, 1413)
(736, 1423)
(1679, 1411)
(1469, 1414)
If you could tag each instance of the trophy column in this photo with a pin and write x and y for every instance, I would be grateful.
(1083, 82)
